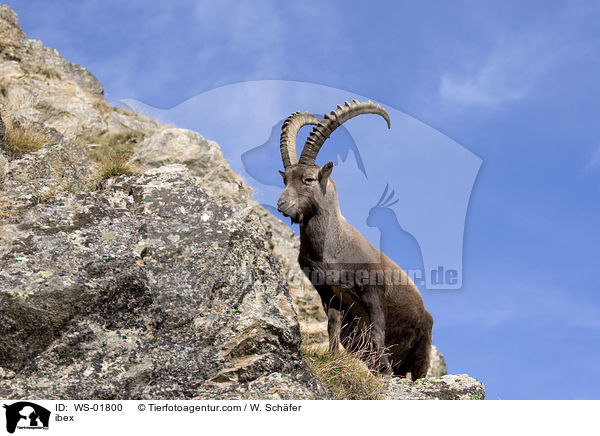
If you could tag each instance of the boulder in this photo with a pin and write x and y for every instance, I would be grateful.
(437, 364)
(447, 387)
(2, 133)
(202, 157)
(146, 288)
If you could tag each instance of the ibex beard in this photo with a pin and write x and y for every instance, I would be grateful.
(382, 318)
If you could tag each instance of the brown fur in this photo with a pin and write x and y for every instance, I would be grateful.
(386, 315)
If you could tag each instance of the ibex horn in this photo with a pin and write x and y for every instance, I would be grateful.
(332, 121)
(289, 131)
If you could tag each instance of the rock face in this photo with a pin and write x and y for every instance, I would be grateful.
(147, 288)
(39, 85)
(3, 159)
(39, 89)
(2, 133)
(166, 282)
(437, 364)
(447, 387)
(203, 158)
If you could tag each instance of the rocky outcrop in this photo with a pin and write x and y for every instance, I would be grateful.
(37, 177)
(437, 364)
(146, 288)
(447, 387)
(38, 86)
(32, 56)
(169, 281)
(2, 133)
(3, 159)
(202, 157)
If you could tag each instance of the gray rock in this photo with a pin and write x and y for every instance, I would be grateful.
(274, 386)
(203, 158)
(126, 122)
(6, 374)
(146, 289)
(37, 84)
(34, 56)
(39, 176)
(447, 387)
(3, 167)
(174, 145)
(437, 364)
(2, 133)
(3, 159)
(74, 116)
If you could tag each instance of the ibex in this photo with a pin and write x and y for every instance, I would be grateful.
(367, 297)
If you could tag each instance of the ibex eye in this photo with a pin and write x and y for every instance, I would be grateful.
(309, 180)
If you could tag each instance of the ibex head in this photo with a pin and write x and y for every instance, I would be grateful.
(308, 187)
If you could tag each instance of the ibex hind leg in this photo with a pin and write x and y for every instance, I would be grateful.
(417, 360)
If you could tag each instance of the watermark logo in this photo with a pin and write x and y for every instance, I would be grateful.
(25, 415)
(406, 190)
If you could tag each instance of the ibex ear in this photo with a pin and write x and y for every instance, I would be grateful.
(282, 173)
(324, 174)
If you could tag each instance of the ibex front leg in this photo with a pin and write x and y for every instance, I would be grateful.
(334, 325)
(332, 307)
(374, 307)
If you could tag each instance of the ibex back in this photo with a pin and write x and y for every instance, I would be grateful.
(372, 306)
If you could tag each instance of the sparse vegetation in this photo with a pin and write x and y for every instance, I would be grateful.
(17, 99)
(21, 140)
(130, 113)
(113, 166)
(51, 111)
(112, 152)
(102, 106)
(344, 373)
(48, 73)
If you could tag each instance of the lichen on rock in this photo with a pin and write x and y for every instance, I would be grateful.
(202, 308)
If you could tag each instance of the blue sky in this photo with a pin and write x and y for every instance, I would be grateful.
(516, 83)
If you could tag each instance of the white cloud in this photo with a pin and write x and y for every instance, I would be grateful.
(262, 33)
(508, 72)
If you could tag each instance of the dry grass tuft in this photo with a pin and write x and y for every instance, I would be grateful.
(343, 372)
(48, 73)
(16, 99)
(113, 165)
(102, 106)
(112, 153)
(21, 140)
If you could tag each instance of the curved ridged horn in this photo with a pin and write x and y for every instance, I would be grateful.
(332, 121)
(289, 131)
